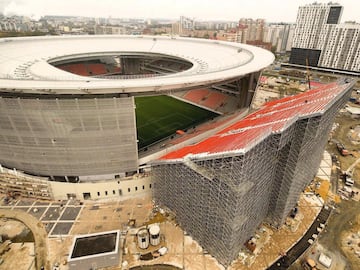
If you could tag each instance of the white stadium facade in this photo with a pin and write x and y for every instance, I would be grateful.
(79, 130)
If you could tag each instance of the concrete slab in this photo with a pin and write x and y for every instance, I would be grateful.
(70, 213)
(53, 213)
(24, 203)
(39, 203)
(59, 203)
(37, 211)
(48, 226)
(62, 228)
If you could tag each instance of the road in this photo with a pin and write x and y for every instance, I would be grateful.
(302, 245)
(38, 231)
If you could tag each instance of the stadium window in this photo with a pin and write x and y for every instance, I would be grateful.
(114, 192)
(128, 189)
(120, 192)
(98, 193)
(106, 193)
(135, 188)
(143, 187)
(150, 186)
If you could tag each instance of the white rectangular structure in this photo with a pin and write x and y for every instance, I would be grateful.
(95, 251)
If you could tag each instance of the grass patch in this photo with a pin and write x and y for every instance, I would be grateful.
(158, 117)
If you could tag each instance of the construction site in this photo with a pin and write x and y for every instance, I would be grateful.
(206, 202)
(252, 172)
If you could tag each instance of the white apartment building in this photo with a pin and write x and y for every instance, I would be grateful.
(320, 41)
(311, 20)
(280, 36)
(341, 47)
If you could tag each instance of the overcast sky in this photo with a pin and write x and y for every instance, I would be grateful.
(271, 10)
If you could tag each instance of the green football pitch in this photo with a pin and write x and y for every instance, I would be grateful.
(158, 117)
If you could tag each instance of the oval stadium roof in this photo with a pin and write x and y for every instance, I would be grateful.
(25, 68)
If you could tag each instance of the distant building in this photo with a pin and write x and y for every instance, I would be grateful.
(109, 30)
(340, 47)
(252, 29)
(186, 24)
(175, 28)
(280, 36)
(261, 44)
(320, 41)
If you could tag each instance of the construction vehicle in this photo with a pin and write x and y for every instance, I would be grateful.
(309, 264)
(308, 74)
(341, 148)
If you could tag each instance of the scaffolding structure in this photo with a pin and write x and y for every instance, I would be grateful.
(15, 183)
(267, 159)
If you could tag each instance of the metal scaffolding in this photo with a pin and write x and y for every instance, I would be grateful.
(221, 198)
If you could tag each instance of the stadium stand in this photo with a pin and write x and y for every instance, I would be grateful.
(97, 69)
(271, 118)
(252, 171)
(79, 69)
(213, 125)
(197, 95)
(214, 100)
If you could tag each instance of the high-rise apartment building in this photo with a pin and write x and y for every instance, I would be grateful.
(251, 29)
(340, 45)
(186, 24)
(319, 39)
(280, 36)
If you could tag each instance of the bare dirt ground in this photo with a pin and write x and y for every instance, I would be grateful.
(18, 257)
(39, 233)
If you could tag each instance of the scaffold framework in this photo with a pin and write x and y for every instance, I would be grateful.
(224, 187)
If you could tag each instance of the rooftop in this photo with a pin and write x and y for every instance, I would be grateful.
(95, 244)
(29, 71)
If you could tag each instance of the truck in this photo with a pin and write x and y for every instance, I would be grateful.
(309, 264)
(341, 148)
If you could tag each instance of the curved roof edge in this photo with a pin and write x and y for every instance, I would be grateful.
(232, 60)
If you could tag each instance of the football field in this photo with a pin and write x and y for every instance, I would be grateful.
(158, 117)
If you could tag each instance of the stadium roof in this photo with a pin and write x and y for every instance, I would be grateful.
(274, 117)
(25, 68)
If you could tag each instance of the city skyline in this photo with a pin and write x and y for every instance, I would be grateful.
(230, 10)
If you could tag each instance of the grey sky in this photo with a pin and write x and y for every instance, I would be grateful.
(271, 10)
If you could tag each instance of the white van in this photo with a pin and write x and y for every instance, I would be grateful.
(349, 182)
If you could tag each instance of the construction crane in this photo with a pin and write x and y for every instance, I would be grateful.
(308, 75)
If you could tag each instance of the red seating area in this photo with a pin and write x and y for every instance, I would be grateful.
(207, 98)
(79, 69)
(214, 100)
(203, 128)
(274, 116)
(85, 69)
(196, 95)
(96, 69)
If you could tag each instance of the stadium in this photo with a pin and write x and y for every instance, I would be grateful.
(68, 103)
(92, 117)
